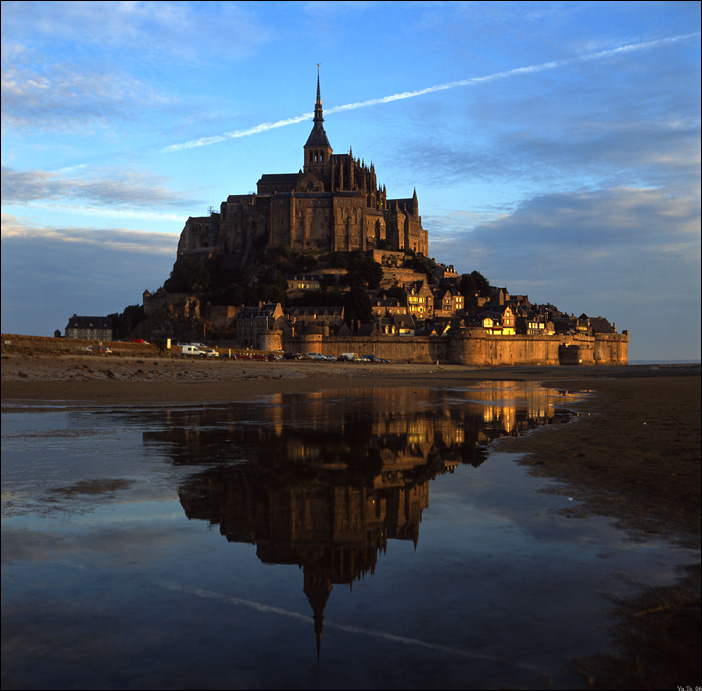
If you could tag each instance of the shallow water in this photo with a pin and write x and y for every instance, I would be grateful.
(348, 539)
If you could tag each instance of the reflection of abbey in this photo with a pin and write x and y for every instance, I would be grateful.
(329, 497)
(333, 204)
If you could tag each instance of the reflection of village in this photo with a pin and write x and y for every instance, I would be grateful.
(325, 480)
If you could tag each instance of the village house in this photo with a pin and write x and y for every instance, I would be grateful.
(535, 325)
(500, 322)
(396, 325)
(300, 284)
(597, 325)
(420, 300)
(387, 307)
(329, 316)
(89, 328)
(447, 303)
(252, 323)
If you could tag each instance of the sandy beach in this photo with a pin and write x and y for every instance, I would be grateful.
(633, 455)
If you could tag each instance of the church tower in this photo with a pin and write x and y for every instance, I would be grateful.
(318, 151)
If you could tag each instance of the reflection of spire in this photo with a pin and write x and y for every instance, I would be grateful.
(317, 587)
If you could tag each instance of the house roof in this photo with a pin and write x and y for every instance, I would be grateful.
(601, 326)
(76, 322)
(404, 320)
(333, 310)
(266, 310)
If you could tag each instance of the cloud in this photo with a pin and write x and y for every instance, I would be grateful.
(40, 93)
(139, 241)
(622, 225)
(617, 153)
(50, 273)
(144, 32)
(110, 187)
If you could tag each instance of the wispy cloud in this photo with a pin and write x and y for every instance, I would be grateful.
(145, 31)
(472, 81)
(52, 96)
(141, 242)
(104, 188)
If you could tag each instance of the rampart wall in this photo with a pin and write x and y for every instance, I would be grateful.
(474, 347)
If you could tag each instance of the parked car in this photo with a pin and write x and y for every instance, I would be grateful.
(315, 356)
(292, 356)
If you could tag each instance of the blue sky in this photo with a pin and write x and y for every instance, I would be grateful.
(554, 146)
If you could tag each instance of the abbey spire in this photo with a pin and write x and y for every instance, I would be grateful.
(318, 103)
(318, 151)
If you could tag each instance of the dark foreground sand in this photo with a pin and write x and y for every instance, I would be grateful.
(635, 457)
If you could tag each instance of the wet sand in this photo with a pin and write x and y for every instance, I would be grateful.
(633, 454)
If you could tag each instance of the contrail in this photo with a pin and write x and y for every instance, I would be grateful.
(269, 609)
(531, 69)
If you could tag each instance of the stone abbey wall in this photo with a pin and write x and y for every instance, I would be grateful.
(475, 348)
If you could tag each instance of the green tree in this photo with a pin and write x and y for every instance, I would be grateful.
(233, 294)
(304, 262)
(189, 275)
(363, 271)
(123, 324)
(357, 306)
(481, 283)
(467, 286)
(395, 293)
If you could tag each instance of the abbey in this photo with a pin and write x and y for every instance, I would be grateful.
(334, 203)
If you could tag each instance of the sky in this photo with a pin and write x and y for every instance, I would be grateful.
(554, 146)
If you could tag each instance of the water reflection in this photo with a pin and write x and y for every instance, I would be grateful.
(325, 480)
(486, 583)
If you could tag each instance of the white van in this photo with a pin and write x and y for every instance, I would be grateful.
(347, 357)
(193, 350)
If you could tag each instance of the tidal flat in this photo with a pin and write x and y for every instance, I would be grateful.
(421, 534)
